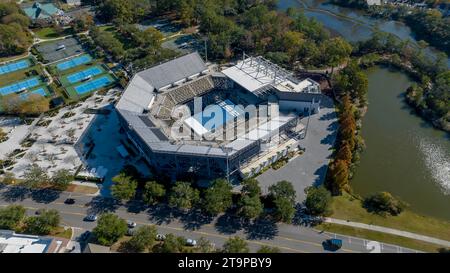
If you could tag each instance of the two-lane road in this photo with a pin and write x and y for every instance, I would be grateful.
(289, 238)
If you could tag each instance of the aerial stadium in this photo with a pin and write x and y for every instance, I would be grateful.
(185, 117)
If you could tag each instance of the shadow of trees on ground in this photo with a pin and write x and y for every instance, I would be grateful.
(45, 195)
(15, 194)
(101, 204)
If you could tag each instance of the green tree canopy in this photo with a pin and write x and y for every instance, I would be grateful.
(284, 209)
(109, 229)
(250, 187)
(283, 189)
(153, 192)
(143, 238)
(44, 223)
(318, 200)
(183, 196)
(235, 245)
(250, 206)
(11, 216)
(268, 249)
(61, 179)
(384, 203)
(35, 176)
(124, 187)
(218, 197)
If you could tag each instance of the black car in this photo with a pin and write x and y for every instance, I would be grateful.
(69, 201)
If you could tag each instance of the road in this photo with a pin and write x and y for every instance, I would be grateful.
(288, 238)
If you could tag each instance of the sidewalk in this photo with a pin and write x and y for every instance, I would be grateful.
(389, 230)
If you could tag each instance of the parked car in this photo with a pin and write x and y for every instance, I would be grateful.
(131, 224)
(160, 237)
(191, 242)
(332, 244)
(91, 218)
(69, 201)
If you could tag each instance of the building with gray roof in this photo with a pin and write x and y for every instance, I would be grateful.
(157, 102)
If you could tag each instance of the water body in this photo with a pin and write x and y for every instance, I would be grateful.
(352, 24)
(404, 155)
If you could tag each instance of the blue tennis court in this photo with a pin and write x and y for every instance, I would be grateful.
(79, 76)
(39, 91)
(93, 85)
(212, 117)
(8, 68)
(26, 84)
(74, 62)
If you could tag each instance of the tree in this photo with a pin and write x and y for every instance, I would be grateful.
(283, 189)
(218, 197)
(344, 153)
(61, 179)
(353, 81)
(35, 176)
(82, 22)
(335, 51)
(172, 244)
(338, 173)
(143, 238)
(153, 192)
(124, 187)
(205, 246)
(268, 249)
(235, 245)
(44, 223)
(383, 203)
(14, 39)
(3, 135)
(284, 209)
(250, 206)
(250, 187)
(109, 229)
(11, 216)
(183, 196)
(318, 200)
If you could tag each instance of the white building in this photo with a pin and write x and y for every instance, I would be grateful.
(11, 242)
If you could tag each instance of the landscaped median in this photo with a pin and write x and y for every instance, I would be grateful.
(349, 208)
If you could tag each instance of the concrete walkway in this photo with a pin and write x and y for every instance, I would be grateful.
(389, 231)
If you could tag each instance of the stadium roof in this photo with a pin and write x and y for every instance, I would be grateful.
(137, 96)
(172, 71)
(255, 73)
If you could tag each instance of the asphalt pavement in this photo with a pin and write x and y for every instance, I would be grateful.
(294, 238)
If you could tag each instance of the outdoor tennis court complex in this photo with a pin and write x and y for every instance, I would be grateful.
(82, 75)
(16, 78)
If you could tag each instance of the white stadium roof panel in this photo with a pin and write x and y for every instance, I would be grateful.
(247, 76)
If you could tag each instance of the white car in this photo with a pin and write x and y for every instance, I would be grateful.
(160, 237)
(191, 242)
(131, 224)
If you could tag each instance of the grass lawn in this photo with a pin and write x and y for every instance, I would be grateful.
(50, 33)
(347, 208)
(60, 232)
(379, 236)
(82, 189)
